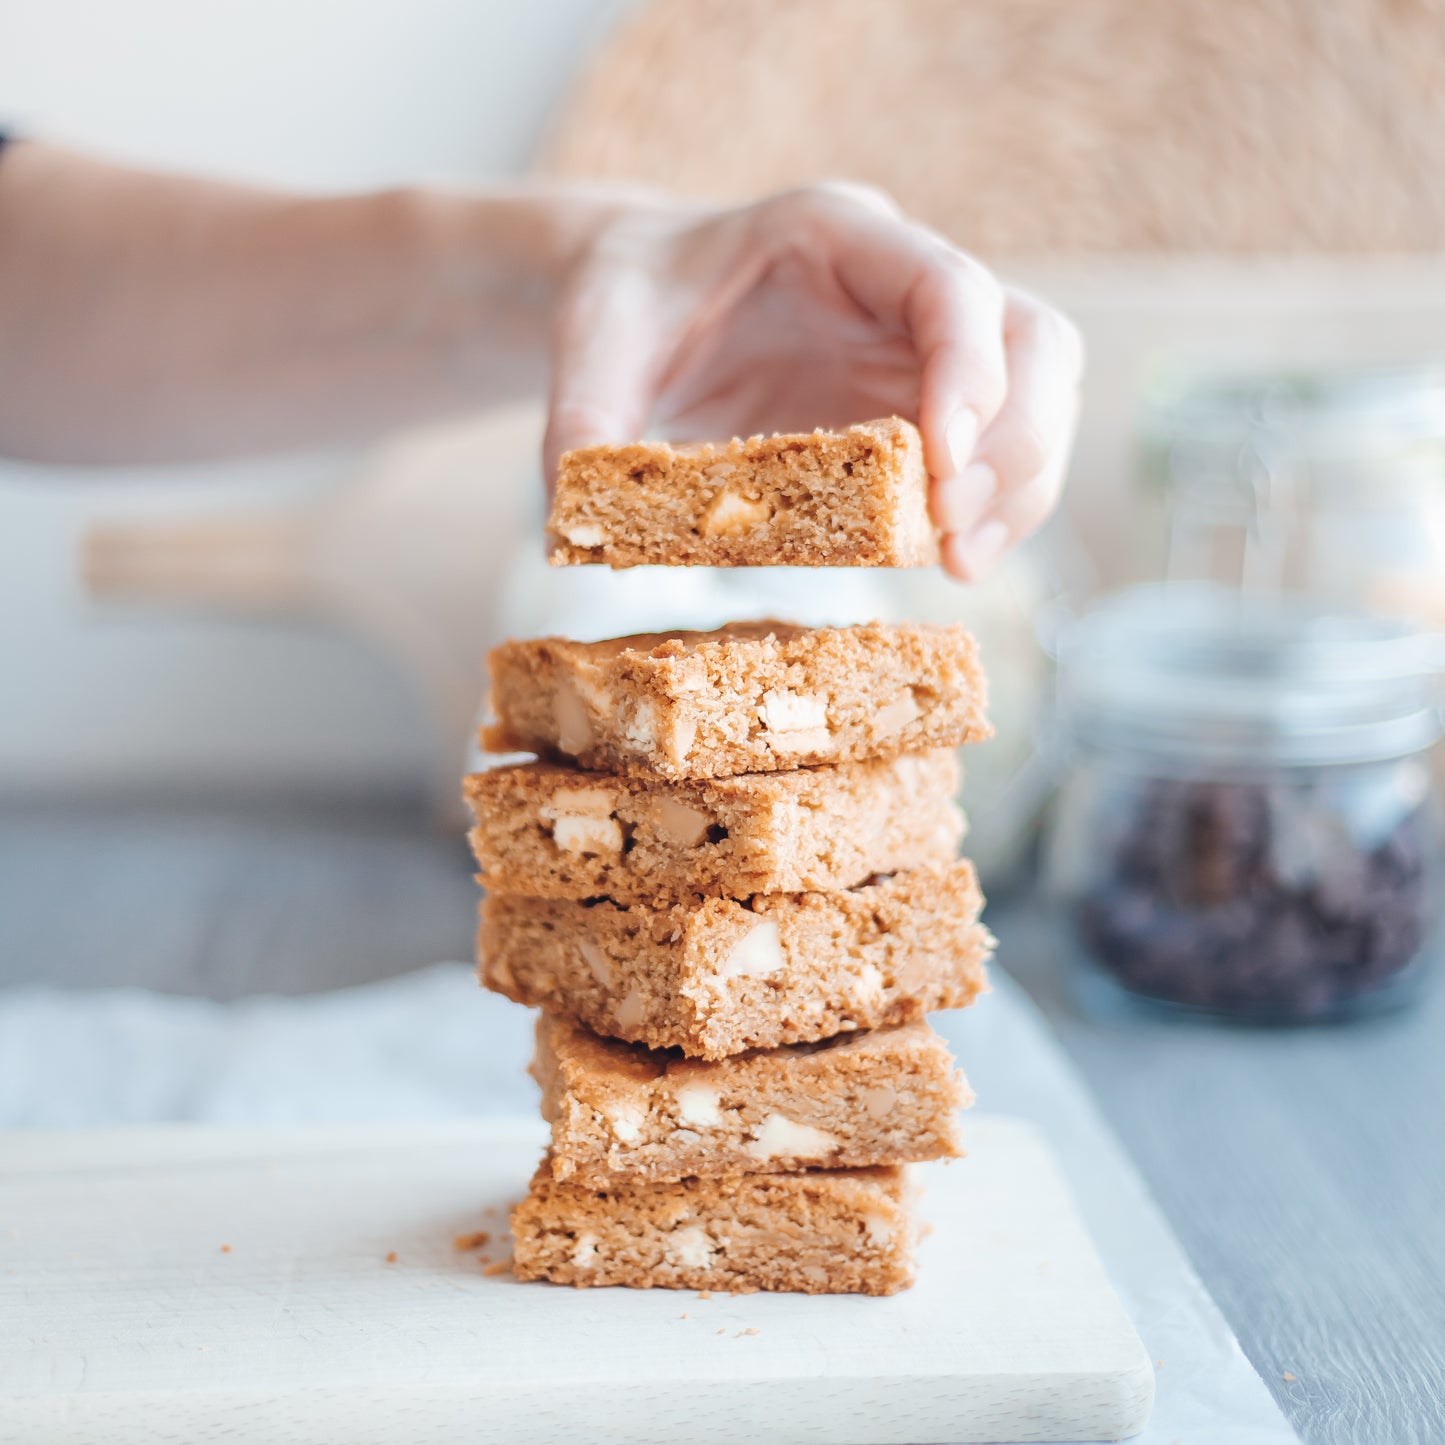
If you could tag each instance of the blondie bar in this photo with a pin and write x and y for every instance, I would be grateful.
(716, 976)
(623, 1112)
(548, 831)
(844, 1231)
(854, 498)
(752, 697)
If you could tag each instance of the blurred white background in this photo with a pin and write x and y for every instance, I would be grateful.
(150, 698)
(336, 96)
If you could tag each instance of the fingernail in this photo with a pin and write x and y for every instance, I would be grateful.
(982, 548)
(962, 436)
(963, 499)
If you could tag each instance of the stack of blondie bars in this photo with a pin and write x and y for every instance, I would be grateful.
(729, 882)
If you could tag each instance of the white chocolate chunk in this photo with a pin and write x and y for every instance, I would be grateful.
(879, 1227)
(757, 953)
(596, 960)
(629, 1011)
(586, 534)
(779, 1135)
(588, 802)
(790, 712)
(574, 732)
(728, 514)
(577, 834)
(908, 770)
(691, 1247)
(697, 1104)
(582, 821)
(869, 983)
(584, 1250)
(894, 716)
(805, 740)
(680, 739)
(878, 1102)
(626, 1120)
(815, 1274)
(639, 732)
(679, 824)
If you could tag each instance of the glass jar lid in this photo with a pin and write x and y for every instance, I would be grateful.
(1204, 673)
(1230, 433)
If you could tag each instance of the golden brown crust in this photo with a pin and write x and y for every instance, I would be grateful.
(622, 1112)
(853, 498)
(718, 976)
(818, 1232)
(748, 698)
(549, 831)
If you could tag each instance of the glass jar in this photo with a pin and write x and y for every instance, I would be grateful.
(1248, 824)
(1325, 482)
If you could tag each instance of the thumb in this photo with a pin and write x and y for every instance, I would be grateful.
(607, 361)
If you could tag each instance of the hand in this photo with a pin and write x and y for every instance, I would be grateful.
(821, 307)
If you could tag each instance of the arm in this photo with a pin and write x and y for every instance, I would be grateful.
(149, 318)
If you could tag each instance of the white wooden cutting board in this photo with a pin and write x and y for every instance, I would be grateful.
(124, 1317)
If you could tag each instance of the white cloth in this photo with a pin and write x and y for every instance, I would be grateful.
(431, 1045)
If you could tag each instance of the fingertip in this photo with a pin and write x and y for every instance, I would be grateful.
(553, 450)
(958, 327)
(961, 437)
(573, 425)
(958, 503)
(936, 459)
(955, 564)
(950, 434)
(971, 557)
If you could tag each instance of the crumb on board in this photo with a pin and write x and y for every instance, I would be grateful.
(391, 1258)
(500, 1266)
(225, 1249)
(683, 1315)
(1289, 1377)
(741, 1333)
(474, 1240)
(722, 1332)
(704, 1294)
(1158, 1364)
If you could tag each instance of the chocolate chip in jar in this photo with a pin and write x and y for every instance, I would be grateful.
(1249, 825)
(1215, 904)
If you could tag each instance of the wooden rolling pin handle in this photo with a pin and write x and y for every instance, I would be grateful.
(252, 563)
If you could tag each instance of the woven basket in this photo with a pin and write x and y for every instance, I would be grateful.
(1040, 127)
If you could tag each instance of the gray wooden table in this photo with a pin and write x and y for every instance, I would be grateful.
(1303, 1171)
